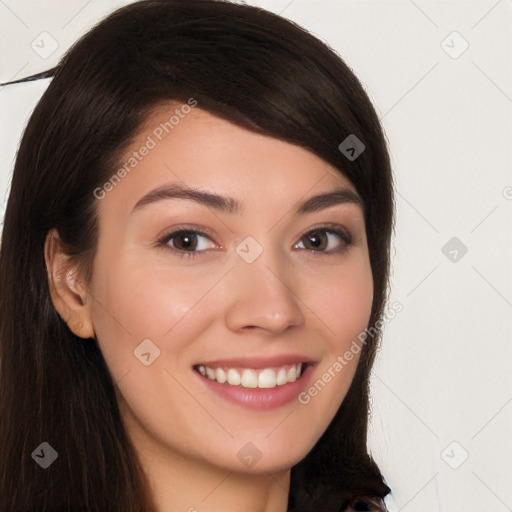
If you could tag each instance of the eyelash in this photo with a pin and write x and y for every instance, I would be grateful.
(163, 242)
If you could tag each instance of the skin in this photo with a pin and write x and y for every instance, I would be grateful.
(291, 299)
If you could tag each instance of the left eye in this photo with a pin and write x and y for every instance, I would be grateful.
(323, 240)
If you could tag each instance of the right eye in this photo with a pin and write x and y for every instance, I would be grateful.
(187, 242)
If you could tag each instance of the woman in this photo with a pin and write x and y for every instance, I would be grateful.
(195, 247)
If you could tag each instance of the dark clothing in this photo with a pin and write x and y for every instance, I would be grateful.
(364, 504)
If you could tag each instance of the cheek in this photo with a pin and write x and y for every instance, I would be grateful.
(342, 300)
(136, 301)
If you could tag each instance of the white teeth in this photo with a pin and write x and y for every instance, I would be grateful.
(220, 375)
(249, 379)
(234, 377)
(282, 377)
(265, 379)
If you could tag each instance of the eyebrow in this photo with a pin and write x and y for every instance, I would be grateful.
(232, 206)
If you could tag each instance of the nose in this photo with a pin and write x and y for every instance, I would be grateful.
(260, 296)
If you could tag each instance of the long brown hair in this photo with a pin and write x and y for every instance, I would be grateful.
(246, 65)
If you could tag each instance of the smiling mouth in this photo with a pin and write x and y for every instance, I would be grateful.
(264, 378)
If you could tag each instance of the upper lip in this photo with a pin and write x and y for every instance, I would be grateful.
(258, 362)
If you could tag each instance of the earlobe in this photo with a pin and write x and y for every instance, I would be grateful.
(68, 292)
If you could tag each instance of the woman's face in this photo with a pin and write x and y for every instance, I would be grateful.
(262, 277)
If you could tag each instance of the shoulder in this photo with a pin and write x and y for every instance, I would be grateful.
(364, 504)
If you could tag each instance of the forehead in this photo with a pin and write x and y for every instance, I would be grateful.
(188, 145)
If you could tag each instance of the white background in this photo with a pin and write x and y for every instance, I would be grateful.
(444, 374)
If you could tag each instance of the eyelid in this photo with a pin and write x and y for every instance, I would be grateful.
(200, 230)
(333, 228)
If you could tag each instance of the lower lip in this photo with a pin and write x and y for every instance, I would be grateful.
(258, 398)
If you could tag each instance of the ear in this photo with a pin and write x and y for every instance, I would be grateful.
(68, 291)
